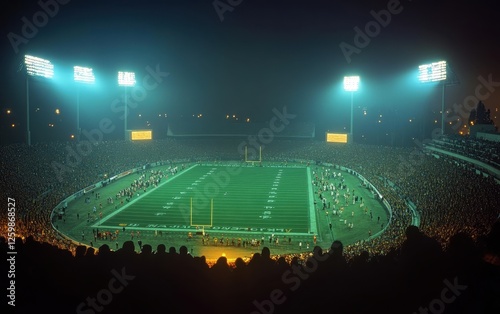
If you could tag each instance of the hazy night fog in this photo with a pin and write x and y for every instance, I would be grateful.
(250, 156)
(204, 60)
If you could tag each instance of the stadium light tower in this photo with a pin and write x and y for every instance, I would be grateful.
(434, 72)
(35, 67)
(82, 75)
(351, 84)
(126, 79)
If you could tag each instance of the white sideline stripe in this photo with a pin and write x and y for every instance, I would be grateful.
(313, 225)
(218, 231)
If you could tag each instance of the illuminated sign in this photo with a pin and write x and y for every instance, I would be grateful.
(336, 137)
(141, 135)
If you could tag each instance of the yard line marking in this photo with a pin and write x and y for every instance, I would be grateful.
(103, 220)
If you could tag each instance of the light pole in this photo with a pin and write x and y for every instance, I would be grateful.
(28, 132)
(86, 76)
(435, 72)
(35, 67)
(126, 79)
(351, 84)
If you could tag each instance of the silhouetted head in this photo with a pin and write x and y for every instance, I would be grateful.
(337, 247)
(161, 248)
(317, 251)
(80, 250)
(30, 239)
(128, 246)
(146, 249)
(256, 258)
(282, 261)
(239, 263)
(222, 261)
(412, 232)
(183, 250)
(104, 250)
(266, 253)
(90, 252)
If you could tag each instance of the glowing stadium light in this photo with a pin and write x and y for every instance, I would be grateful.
(126, 78)
(38, 67)
(83, 75)
(351, 83)
(86, 76)
(35, 67)
(437, 72)
(433, 72)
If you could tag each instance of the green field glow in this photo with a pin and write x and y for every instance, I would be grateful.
(263, 199)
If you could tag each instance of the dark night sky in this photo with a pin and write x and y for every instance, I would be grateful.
(263, 55)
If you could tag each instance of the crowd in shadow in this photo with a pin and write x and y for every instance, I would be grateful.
(420, 277)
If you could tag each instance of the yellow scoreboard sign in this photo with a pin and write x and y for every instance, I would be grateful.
(141, 135)
(336, 137)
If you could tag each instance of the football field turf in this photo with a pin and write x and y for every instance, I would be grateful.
(224, 198)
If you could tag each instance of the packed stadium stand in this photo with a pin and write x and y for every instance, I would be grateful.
(450, 263)
(479, 149)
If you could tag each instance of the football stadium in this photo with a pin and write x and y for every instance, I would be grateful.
(195, 216)
(228, 208)
(249, 157)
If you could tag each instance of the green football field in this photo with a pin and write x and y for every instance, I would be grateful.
(223, 198)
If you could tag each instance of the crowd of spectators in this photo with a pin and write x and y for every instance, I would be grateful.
(448, 198)
(452, 201)
(475, 148)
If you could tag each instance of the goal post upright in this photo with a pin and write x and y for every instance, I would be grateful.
(253, 161)
(211, 216)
